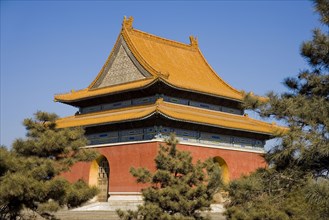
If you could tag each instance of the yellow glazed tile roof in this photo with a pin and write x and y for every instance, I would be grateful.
(217, 119)
(105, 117)
(86, 93)
(182, 65)
(175, 112)
(179, 65)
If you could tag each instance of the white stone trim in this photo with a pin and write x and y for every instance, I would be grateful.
(260, 151)
(125, 193)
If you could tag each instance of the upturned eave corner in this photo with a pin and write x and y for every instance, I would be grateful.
(279, 131)
(261, 99)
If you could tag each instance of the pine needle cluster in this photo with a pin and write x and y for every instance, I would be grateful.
(296, 184)
(29, 172)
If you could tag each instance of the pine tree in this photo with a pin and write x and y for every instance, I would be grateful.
(29, 172)
(296, 184)
(178, 188)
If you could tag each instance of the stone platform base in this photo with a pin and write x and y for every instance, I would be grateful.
(115, 201)
(127, 202)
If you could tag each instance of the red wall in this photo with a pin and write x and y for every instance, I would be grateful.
(122, 157)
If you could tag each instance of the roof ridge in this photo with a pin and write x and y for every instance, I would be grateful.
(165, 40)
(125, 34)
(127, 24)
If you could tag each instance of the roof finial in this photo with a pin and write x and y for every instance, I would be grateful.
(193, 41)
(128, 22)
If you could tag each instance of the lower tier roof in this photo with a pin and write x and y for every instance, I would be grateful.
(174, 112)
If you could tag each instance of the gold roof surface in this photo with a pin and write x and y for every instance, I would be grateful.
(177, 64)
(87, 93)
(172, 111)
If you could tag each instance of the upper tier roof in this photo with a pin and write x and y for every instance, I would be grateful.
(177, 64)
(175, 112)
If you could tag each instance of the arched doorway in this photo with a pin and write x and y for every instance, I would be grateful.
(103, 179)
(99, 176)
(224, 169)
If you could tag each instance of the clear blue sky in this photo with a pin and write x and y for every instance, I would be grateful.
(50, 47)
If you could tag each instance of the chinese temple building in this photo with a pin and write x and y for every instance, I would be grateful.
(148, 88)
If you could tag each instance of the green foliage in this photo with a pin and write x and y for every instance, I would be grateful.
(178, 188)
(78, 193)
(296, 184)
(29, 171)
(268, 194)
(317, 196)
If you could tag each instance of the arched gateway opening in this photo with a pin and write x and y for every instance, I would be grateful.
(99, 176)
(224, 169)
(221, 196)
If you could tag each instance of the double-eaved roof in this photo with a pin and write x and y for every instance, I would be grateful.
(175, 112)
(138, 60)
(179, 65)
